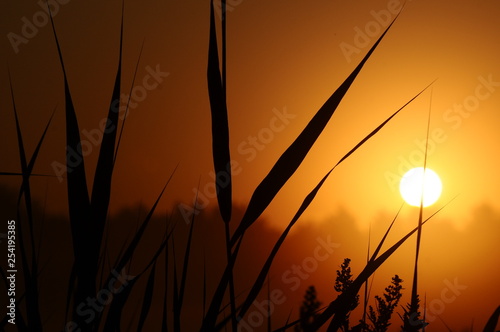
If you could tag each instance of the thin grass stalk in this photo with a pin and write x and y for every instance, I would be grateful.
(444, 323)
(148, 298)
(204, 294)
(177, 309)
(414, 293)
(127, 256)
(164, 325)
(365, 297)
(113, 318)
(220, 136)
(210, 320)
(186, 257)
(127, 106)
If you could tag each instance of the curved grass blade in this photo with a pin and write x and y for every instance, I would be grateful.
(186, 257)
(213, 310)
(305, 204)
(220, 126)
(177, 307)
(220, 135)
(492, 321)
(101, 189)
(78, 198)
(164, 321)
(291, 159)
(414, 302)
(127, 106)
(125, 258)
(217, 299)
(113, 319)
(381, 243)
(148, 298)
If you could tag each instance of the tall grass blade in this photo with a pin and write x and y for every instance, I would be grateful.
(269, 306)
(220, 126)
(186, 259)
(305, 204)
(375, 253)
(210, 320)
(78, 199)
(492, 321)
(101, 189)
(204, 285)
(125, 258)
(414, 304)
(291, 159)
(114, 316)
(164, 326)
(148, 298)
(127, 106)
(220, 136)
(70, 290)
(120, 299)
(177, 307)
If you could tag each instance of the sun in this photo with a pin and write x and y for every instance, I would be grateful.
(414, 180)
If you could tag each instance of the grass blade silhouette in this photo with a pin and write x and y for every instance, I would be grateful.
(305, 204)
(78, 199)
(220, 135)
(101, 189)
(220, 125)
(120, 299)
(291, 159)
(413, 313)
(492, 321)
(186, 257)
(148, 298)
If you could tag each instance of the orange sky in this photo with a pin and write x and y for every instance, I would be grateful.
(285, 58)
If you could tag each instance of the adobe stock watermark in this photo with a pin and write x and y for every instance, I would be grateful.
(363, 36)
(89, 139)
(250, 148)
(30, 27)
(437, 306)
(89, 309)
(453, 117)
(292, 277)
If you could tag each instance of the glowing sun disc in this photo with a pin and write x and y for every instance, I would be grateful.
(411, 186)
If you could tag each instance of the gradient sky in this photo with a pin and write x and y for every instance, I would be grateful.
(285, 58)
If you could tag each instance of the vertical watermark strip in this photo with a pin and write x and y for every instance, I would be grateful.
(11, 270)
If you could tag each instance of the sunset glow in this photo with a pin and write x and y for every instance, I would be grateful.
(417, 180)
